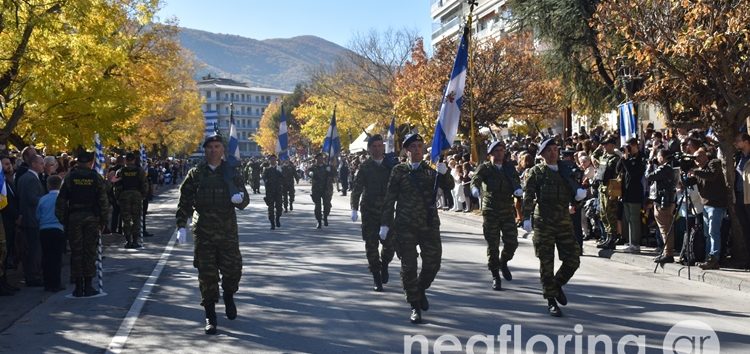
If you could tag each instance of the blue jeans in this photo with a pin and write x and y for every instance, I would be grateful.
(712, 217)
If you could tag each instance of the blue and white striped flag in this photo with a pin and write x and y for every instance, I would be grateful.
(144, 158)
(628, 127)
(450, 110)
(99, 160)
(282, 143)
(390, 138)
(233, 146)
(332, 142)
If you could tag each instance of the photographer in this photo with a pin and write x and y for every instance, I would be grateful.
(713, 191)
(660, 176)
(633, 166)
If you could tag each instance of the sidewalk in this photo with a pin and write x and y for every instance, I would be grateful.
(735, 279)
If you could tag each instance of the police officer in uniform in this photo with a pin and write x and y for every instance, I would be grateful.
(289, 171)
(551, 190)
(273, 181)
(82, 207)
(411, 194)
(130, 190)
(321, 178)
(498, 182)
(206, 192)
(608, 162)
(368, 194)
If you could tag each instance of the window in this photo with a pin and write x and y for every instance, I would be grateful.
(226, 97)
(208, 94)
(257, 124)
(262, 110)
(242, 97)
(226, 110)
(268, 99)
(257, 99)
(257, 111)
(243, 110)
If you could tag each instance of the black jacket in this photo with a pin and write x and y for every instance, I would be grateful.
(633, 170)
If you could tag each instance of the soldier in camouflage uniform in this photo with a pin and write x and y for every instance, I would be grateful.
(273, 181)
(608, 162)
(217, 250)
(289, 171)
(411, 192)
(553, 191)
(370, 184)
(498, 182)
(321, 178)
(130, 190)
(255, 170)
(82, 207)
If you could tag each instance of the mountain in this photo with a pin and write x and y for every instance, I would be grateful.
(271, 63)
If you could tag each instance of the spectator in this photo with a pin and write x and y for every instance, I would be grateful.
(661, 176)
(51, 236)
(742, 187)
(633, 167)
(30, 190)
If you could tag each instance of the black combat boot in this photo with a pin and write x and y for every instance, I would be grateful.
(496, 282)
(553, 309)
(291, 206)
(506, 272)
(604, 243)
(88, 289)
(384, 272)
(319, 225)
(210, 327)
(78, 291)
(325, 220)
(377, 282)
(278, 220)
(416, 313)
(229, 305)
(561, 298)
(423, 303)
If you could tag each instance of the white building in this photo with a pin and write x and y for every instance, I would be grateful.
(448, 16)
(249, 104)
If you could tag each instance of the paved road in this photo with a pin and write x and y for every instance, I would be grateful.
(307, 290)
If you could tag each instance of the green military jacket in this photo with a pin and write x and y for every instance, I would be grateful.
(82, 190)
(206, 192)
(607, 167)
(370, 185)
(132, 177)
(273, 180)
(411, 194)
(497, 185)
(289, 172)
(321, 179)
(551, 194)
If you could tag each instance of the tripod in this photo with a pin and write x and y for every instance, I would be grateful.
(685, 252)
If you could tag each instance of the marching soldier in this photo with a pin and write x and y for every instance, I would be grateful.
(273, 181)
(553, 191)
(289, 171)
(217, 250)
(608, 162)
(255, 170)
(82, 207)
(321, 178)
(499, 183)
(130, 191)
(370, 184)
(411, 194)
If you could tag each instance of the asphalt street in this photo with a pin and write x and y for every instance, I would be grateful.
(308, 290)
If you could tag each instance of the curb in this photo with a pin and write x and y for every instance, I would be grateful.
(722, 279)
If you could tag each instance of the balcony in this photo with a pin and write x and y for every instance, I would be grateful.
(439, 29)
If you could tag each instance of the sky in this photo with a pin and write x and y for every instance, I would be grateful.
(333, 20)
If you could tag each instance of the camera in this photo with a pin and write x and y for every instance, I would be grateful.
(684, 161)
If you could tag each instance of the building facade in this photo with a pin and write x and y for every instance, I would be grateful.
(448, 17)
(249, 104)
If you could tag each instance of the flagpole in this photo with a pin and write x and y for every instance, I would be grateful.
(473, 134)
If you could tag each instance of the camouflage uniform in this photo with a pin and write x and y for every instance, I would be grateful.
(607, 171)
(130, 192)
(82, 207)
(416, 223)
(370, 184)
(322, 189)
(497, 185)
(290, 178)
(216, 241)
(273, 181)
(553, 226)
(255, 171)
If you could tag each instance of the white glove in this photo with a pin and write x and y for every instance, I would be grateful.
(383, 232)
(278, 168)
(580, 194)
(527, 225)
(475, 192)
(181, 235)
(442, 168)
(328, 168)
(354, 215)
(237, 198)
(518, 193)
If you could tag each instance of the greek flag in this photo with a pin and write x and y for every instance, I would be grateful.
(99, 160)
(233, 146)
(282, 143)
(628, 128)
(144, 158)
(450, 110)
(390, 139)
(3, 192)
(332, 143)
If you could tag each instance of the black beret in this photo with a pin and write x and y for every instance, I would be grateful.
(545, 144)
(85, 157)
(373, 139)
(410, 139)
(212, 138)
(494, 144)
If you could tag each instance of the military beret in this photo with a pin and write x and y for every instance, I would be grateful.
(85, 157)
(410, 139)
(212, 138)
(545, 144)
(494, 144)
(611, 139)
(373, 139)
